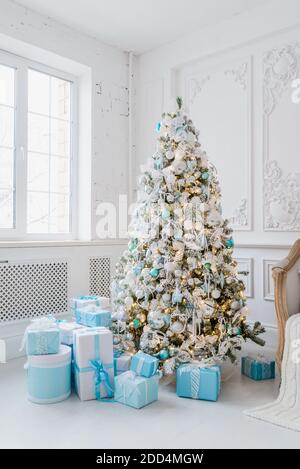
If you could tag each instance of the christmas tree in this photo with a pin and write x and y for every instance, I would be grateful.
(176, 292)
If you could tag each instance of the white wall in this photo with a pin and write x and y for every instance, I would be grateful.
(103, 74)
(235, 79)
(109, 91)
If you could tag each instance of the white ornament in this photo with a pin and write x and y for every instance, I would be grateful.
(170, 266)
(166, 297)
(178, 273)
(235, 305)
(128, 301)
(169, 155)
(177, 327)
(139, 293)
(216, 294)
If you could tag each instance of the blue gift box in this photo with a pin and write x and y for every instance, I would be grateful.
(258, 368)
(121, 362)
(93, 317)
(136, 391)
(143, 364)
(197, 382)
(49, 376)
(42, 342)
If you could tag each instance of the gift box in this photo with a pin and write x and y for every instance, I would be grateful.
(41, 337)
(136, 391)
(49, 376)
(93, 316)
(93, 363)
(143, 364)
(257, 367)
(198, 382)
(121, 362)
(67, 332)
(83, 301)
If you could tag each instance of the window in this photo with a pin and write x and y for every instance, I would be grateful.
(37, 151)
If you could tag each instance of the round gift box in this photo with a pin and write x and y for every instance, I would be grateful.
(49, 376)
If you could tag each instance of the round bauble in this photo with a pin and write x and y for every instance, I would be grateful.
(145, 272)
(128, 301)
(170, 155)
(166, 297)
(216, 294)
(159, 288)
(139, 293)
(178, 273)
(235, 305)
(170, 266)
(164, 354)
(177, 327)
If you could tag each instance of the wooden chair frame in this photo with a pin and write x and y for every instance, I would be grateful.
(279, 273)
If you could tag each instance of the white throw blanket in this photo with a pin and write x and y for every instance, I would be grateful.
(285, 411)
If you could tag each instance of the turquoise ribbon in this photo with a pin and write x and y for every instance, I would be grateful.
(101, 377)
(100, 371)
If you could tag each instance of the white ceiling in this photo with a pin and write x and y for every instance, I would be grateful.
(139, 25)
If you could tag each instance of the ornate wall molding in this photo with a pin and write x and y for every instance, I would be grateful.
(239, 70)
(195, 87)
(281, 193)
(245, 269)
(268, 283)
(281, 198)
(240, 216)
(280, 66)
(239, 74)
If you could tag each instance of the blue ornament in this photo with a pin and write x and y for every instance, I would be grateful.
(166, 318)
(137, 269)
(136, 323)
(158, 126)
(205, 175)
(154, 272)
(229, 243)
(176, 297)
(132, 245)
(163, 354)
(165, 214)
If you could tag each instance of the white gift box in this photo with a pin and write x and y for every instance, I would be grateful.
(94, 363)
(67, 332)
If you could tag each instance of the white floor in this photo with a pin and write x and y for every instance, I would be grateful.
(171, 422)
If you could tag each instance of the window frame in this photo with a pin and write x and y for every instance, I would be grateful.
(21, 66)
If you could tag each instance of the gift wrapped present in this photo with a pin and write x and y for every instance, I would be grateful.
(67, 331)
(89, 300)
(41, 337)
(93, 363)
(258, 367)
(121, 362)
(143, 364)
(93, 316)
(136, 391)
(49, 376)
(198, 381)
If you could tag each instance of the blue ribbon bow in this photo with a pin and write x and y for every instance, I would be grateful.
(101, 377)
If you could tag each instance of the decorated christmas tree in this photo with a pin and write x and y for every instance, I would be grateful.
(177, 294)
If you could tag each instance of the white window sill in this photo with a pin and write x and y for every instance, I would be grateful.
(60, 243)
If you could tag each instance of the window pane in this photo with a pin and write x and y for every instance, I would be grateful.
(59, 175)
(38, 92)
(60, 98)
(6, 209)
(7, 85)
(38, 133)
(6, 126)
(38, 212)
(38, 172)
(6, 168)
(49, 157)
(60, 137)
(59, 213)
